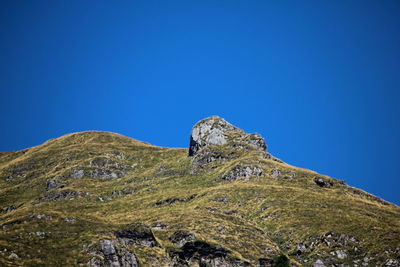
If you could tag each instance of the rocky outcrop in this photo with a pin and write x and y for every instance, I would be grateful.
(109, 253)
(392, 263)
(245, 172)
(170, 201)
(102, 173)
(323, 182)
(9, 209)
(318, 263)
(136, 235)
(215, 131)
(180, 238)
(101, 167)
(333, 248)
(159, 226)
(53, 184)
(275, 174)
(104, 162)
(194, 252)
(19, 170)
(214, 141)
(200, 253)
(281, 260)
(55, 196)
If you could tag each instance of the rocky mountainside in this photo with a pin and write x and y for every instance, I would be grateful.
(102, 199)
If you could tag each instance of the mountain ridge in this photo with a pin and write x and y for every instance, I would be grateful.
(98, 198)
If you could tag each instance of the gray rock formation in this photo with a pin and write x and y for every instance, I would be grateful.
(301, 248)
(13, 256)
(9, 209)
(180, 238)
(392, 263)
(341, 254)
(200, 253)
(77, 174)
(246, 172)
(136, 234)
(109, 253)
(102, 173)
(56, 196)
(215, 131)
(275, 173)
(323, 182)
(318, 263)
(53, 184)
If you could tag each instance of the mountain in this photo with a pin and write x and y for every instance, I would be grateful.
(103, 199)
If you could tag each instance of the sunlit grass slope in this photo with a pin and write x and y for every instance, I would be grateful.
(59, 199)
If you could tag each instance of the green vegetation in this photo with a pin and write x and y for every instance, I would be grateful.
(282, 261)
(105, 182)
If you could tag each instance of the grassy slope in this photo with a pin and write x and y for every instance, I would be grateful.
(261, 217)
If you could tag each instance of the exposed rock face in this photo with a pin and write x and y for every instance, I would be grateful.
(216, 131)
(246, 172)
(180, 238)
(77, 174)
(137, 235)
(55, 196)
(102, 173)
(109, 253)
(200, 253)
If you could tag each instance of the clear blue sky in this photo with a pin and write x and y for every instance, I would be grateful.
(320, 80)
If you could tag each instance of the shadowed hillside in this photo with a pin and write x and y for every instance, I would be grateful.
(103, 199)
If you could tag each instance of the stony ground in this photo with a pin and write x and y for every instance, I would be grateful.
(102, 199)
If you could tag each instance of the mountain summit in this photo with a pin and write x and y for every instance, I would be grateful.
(103, 199)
